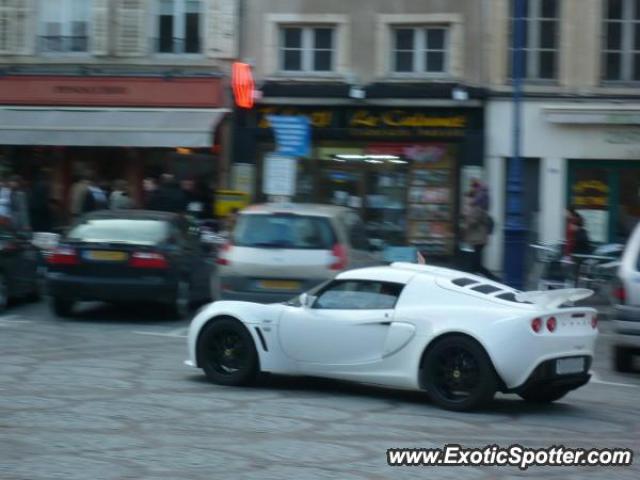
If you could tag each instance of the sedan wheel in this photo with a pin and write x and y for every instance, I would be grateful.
(227, 354)
(458, 374)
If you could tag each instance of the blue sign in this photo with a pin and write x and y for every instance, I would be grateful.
(292, 133)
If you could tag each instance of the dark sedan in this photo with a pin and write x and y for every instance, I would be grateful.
(130, 256)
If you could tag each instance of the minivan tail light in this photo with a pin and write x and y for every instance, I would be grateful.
(619, 293)
(63, 256)
(147, 260)
(222, 252)
(340, 260)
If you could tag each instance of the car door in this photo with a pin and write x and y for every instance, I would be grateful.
(346, 324)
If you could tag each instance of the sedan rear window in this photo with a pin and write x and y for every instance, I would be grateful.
(120, 230)
(284, 231)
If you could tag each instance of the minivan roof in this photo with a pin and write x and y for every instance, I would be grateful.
(297, 208)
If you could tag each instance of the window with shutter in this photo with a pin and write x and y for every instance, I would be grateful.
(178, 26)
(64, 26)
(131, 38)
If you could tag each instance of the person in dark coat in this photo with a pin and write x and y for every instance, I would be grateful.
(95, 198)
(169, 197)
(40, 203)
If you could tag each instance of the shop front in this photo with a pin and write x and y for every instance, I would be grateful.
(584, 155)
(399, 167)
(110, 127)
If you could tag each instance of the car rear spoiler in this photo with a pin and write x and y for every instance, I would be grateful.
(553, 298)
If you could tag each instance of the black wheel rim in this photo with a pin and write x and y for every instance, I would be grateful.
(228, 352)
(456, 374)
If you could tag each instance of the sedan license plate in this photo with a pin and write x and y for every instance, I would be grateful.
(105, 256)
(279, 285)
(569, 365)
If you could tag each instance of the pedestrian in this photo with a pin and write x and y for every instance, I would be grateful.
(477, 226)
(168, 197)
(149, 189)
(78, 194)
(19, 204)
(119, 198)
(95, 198)
(40, 202)
(576, 236)
(5, 200)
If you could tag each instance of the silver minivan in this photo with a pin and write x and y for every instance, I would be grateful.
(277, 251)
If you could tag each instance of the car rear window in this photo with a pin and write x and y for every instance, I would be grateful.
(139, 232)
(284, 231)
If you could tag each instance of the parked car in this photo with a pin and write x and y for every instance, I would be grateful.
(130, 256)
(19, 260)
(277, 251)
(626, 311)
(458, 336)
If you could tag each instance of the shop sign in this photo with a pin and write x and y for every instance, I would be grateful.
(292, 133)
(403, 119)
(591, 194)
(318, 118)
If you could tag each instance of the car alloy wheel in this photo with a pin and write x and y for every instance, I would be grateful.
(227, 353)
(458, 374)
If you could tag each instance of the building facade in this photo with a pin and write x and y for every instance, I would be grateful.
(114, 88)
(392, 93)
(581, 122)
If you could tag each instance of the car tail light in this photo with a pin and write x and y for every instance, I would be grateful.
(619, 293)
(536, 325)
(340, 260)
(147, 260)
(222, 252)
(594, 321)
(63, 256)
(552, 323)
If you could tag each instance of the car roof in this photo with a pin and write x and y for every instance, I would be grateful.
(403, 272)
(318, 209)
(132, 215)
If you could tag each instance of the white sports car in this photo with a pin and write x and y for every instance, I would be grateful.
(458, 336)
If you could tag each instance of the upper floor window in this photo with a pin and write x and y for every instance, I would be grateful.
(621, 40)
(420, 50)
(307, 49)
(64, 25)
(540, 48)
(179, 25)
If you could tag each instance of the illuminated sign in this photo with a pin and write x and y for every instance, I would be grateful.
(242, 84)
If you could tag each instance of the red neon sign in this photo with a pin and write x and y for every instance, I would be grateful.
(242, 84)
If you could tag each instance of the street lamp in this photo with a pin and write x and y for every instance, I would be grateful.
(514, 231)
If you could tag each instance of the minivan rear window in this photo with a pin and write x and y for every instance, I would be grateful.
(120, 230)
(284, 231)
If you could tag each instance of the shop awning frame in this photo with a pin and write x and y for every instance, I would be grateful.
(109, 127)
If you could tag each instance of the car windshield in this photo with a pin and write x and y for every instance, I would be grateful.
(120, 230)
(284, 231)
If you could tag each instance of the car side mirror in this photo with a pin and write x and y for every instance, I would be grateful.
(306, 300)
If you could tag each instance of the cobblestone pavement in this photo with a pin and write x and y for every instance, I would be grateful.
(106, 396)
